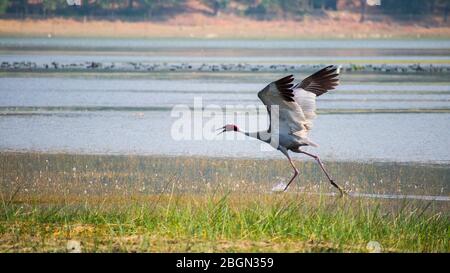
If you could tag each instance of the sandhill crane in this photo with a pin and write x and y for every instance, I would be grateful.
(293, 107)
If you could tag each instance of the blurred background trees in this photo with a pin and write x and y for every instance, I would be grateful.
(260, 9)
(216, 5)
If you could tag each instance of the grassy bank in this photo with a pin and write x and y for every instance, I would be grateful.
(222, 222)
(132, 203)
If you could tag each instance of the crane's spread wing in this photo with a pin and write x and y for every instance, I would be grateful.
(289, 115)
(297, 104)
(321, 81)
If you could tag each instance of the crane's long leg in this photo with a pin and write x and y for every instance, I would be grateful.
(341, 190)
(285, 152)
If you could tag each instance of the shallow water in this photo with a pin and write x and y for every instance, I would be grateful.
(391, 196)
(383, 117)
(72, 50)
(129, 115)
(136, 44)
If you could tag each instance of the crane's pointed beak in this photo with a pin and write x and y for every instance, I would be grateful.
(222, 128)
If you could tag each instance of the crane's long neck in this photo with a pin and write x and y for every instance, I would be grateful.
(261, 135)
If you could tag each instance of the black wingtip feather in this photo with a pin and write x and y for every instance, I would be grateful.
(321, 81)
(284, 86)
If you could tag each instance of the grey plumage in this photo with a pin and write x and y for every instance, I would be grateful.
(292, 109)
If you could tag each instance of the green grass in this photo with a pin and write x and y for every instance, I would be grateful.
(226, 223)
(156, 204)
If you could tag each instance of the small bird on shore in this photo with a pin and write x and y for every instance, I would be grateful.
(291, 108)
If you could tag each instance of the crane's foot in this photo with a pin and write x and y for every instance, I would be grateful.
(342, 192)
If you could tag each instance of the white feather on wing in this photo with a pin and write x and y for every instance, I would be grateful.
(307, 102)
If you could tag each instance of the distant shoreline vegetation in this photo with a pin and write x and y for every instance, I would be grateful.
(133, 10)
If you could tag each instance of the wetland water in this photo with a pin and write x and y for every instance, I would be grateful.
(402, 117)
